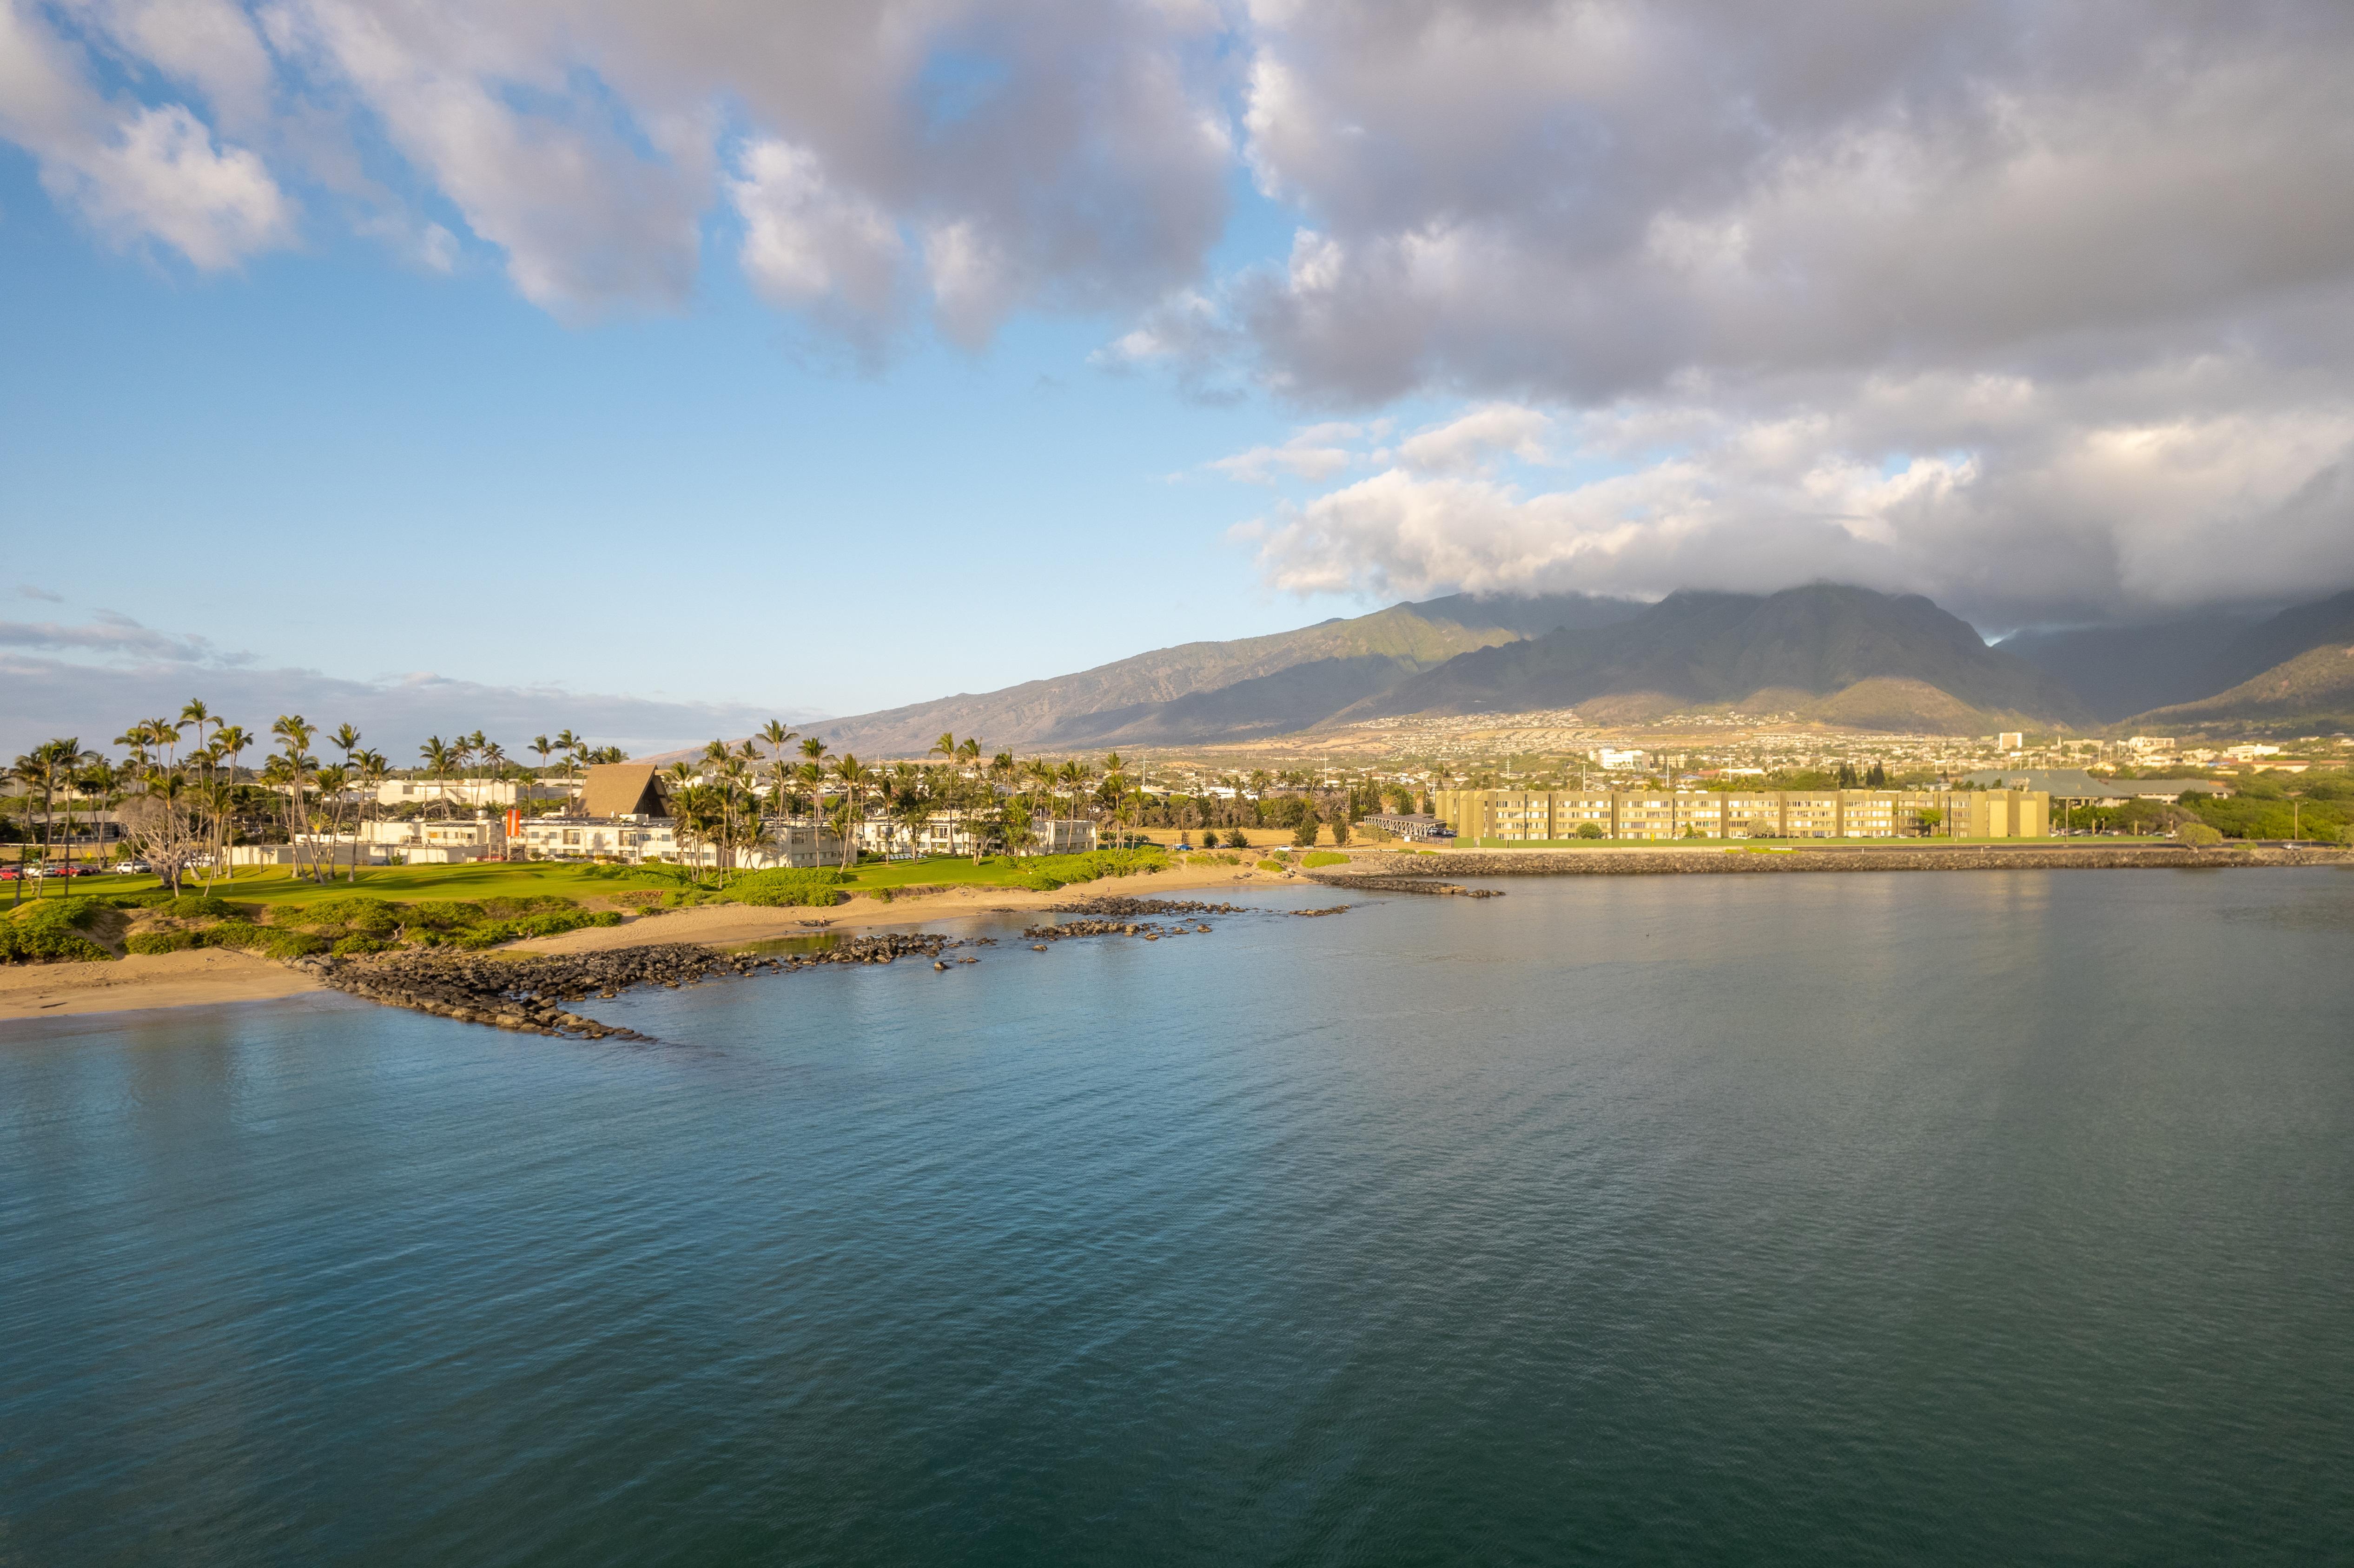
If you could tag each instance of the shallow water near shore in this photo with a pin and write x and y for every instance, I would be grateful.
(1989, 1217)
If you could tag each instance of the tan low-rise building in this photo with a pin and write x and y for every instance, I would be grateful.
(1658, 816)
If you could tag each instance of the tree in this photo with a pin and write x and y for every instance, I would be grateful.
(1304, 835)
(1592, 830)
(855, 776)
(436, 756)
(1340, 828)
(911, 804)
(1238, 839)
(1929, 817)
(159, 823)
(779, 772)
(572, 746)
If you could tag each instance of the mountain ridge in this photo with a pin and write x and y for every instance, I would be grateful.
(1164, 694)
(1711, 648)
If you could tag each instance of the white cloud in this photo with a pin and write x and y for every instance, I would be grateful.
(105, 633)
(1319, 451)
(804, 242)
(138, 173)
(1465, 443)
(2003, 500)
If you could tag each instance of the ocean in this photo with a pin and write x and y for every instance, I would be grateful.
(1963, 1218)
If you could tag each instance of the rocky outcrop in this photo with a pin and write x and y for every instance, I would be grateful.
(530, 995)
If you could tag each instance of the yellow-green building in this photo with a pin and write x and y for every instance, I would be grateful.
(1660, 816)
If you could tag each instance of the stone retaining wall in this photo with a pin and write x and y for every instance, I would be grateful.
(1368, 871)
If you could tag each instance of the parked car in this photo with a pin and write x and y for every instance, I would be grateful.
(71, 871)
(132, 868)
(7, 873)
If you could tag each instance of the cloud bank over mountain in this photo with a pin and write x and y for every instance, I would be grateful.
(2045, 310)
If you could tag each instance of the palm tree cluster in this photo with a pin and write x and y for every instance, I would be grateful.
(719, 802)
(182, 794)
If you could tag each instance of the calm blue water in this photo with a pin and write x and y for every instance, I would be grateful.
(1958, 1218)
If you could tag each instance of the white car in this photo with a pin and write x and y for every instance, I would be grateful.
(132, 868)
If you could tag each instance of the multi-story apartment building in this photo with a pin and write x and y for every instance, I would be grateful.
(1536, 816)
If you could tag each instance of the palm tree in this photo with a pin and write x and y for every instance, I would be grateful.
(31, 769)
(374, 768)
(855, 776)
(437, 757)
(295, 732)
(571, 746)
(908, 798)
(777, 737)
(542, 745)
(230, 740)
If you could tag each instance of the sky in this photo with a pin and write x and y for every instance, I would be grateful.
(657, 370)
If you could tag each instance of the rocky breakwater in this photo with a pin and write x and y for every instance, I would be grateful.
(531, 994)
(1147, 919)
(1413, 885)
(1419, 872)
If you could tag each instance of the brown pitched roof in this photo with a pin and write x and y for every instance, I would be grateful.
(620, 790)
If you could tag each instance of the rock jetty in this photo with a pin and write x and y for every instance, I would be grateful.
(530, 995)
(1419, 873)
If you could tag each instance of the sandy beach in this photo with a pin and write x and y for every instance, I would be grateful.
(722, 924)
(207, 975)
(191, 979)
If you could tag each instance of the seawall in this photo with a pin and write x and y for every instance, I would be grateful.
(1368, 870)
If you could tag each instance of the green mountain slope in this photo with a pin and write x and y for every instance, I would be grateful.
(2121, 669)
(1197, 691)
(2316, 687)
(1695, 648)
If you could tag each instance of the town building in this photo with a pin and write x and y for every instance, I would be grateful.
(470, 793)
(1660, 816)
(1408, 824)
(786, 842)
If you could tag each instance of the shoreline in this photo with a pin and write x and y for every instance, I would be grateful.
(204, 977)
(1715, 859)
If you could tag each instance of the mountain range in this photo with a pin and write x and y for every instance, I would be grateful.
(1826, 652)
(1200, 692)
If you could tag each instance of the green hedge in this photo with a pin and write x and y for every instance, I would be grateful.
(1324, 857)
(48, 930)
(551, 923)
(815, 886)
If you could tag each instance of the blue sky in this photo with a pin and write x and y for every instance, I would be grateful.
(651, 370)
(328, 460)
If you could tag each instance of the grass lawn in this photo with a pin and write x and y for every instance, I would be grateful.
(958, 871)
(528, 879)
(478, 879)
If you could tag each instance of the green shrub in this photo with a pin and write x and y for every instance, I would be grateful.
(240, 934)
(1272, 865)
(196, 906)
(1592, 830)
(336, 917)
(349, 946)
(547, 923)
(2197, 834)
(1324, 857)
(149, 943)
(815, 886)
(48, 930)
